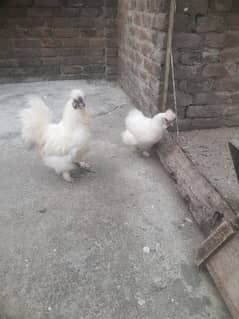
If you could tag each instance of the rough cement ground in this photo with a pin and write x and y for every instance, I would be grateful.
(113, 245)
(209, 150)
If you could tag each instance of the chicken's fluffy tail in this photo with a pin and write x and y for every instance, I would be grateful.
(34, 121)
(128, 138)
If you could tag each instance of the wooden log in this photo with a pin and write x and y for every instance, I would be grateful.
(209, 210)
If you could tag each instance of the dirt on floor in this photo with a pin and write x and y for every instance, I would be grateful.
(209, 151)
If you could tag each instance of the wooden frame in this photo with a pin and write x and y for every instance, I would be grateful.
(209, 210)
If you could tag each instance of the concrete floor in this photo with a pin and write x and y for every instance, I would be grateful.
(118, 243)
(209, 150)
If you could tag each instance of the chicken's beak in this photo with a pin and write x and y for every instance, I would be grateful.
(79, 103)
(169, 123)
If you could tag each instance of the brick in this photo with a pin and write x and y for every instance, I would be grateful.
(97, 43)
(91, 32)
(65, 32)
(212, 111)
(235, 6)
(71, 51)
(184, 99)
(75, 42)
(50, 43)
(214, 70)
(231, 68)
(215, 40)
(195, 7)
(159, 22)
(51, 60)
(190, 58)
(6, 43)
(111, 3)
(47, 3)
(27, 43)
(183, 72)
(187, 40)
(211, 56)
(75, 3)
(110, 12)
(8, 62)
(232, 38)
(91, 12)
(222, 5)
(151, 67)
(65, 12)
(35, 61)
(202, 111)
(231, 121)
(184, 23)
(111, 52)
(47, 52)
(72, 69)
(212, 98)
(110, 33)
(232, 21)
(76, 60)
(207, 123)
(41, 12)
(15, 12)
(111, 61)
(235, 97)
(207, 85)
(227, 84)
(159, 40)
(230, 55)
(30, 71)
(38, 32)
(20, 3)
(211, 23)
(94, 68)
(28, 22)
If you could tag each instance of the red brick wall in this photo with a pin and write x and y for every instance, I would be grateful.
(206, 47)
(142, 26)
(206, 52)
(57, 39)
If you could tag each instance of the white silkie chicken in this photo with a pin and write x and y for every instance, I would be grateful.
(143, 132)
(63, 144)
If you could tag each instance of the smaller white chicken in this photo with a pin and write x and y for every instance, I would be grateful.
(143, 132)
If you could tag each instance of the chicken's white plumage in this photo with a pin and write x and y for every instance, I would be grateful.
(143, 132)
(62, 144)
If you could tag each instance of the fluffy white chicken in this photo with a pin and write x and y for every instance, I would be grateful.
(63, 144)
(143, 132)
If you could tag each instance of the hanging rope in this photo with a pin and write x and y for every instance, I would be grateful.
(168, 53)
(174, 93)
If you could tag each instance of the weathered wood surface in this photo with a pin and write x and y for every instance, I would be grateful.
(224, 269)
(209, 210)
(207, 206)
(215, 241)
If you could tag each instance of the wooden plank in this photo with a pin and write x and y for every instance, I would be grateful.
(209, 209)
(207, 206)
(224, 270)
(215, 241)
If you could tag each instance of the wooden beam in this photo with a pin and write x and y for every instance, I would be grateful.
(209, 210)
(215, 241)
